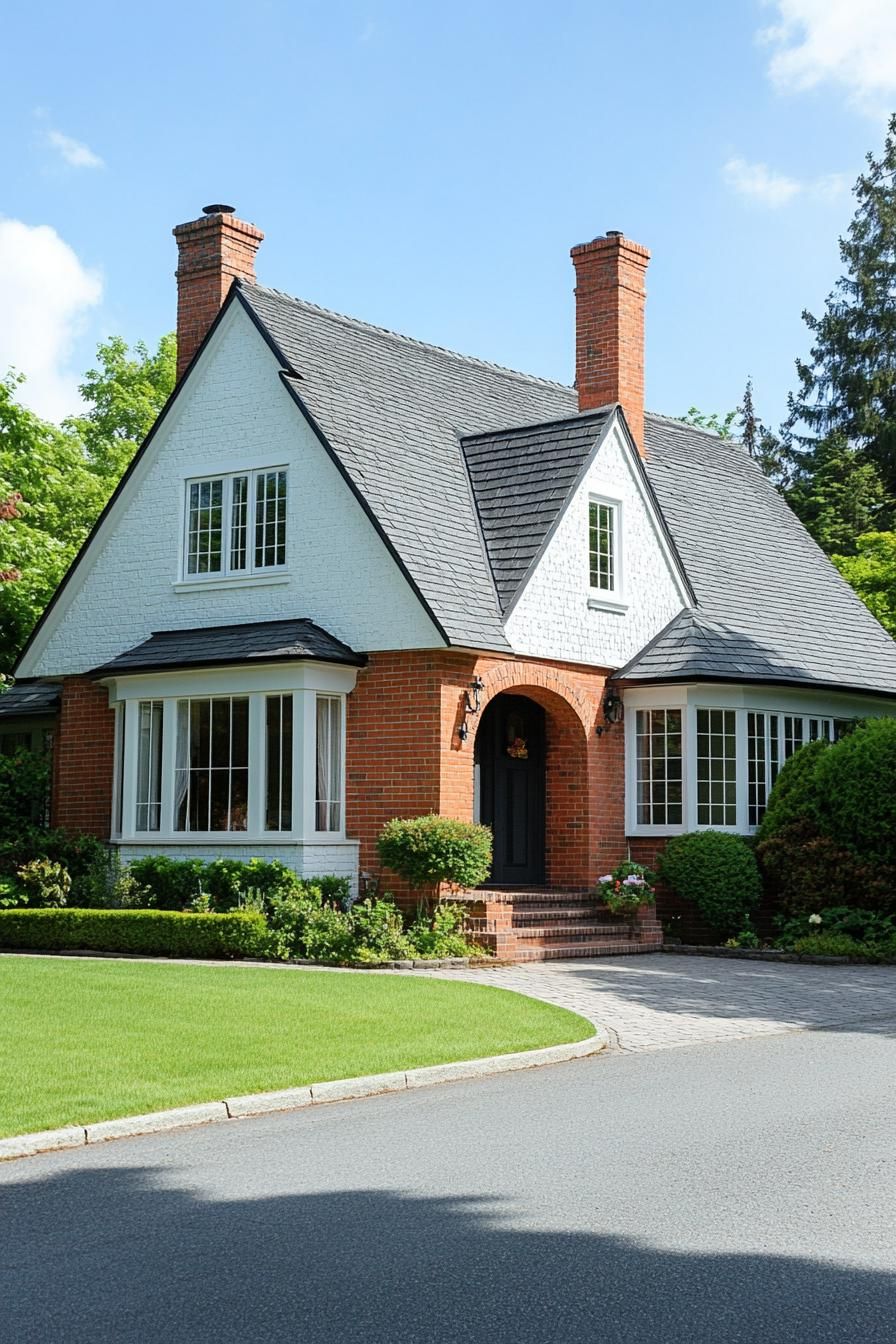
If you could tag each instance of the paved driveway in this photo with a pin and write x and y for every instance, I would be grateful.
(652, 1002)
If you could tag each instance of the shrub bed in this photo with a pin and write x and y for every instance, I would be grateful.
(162, 933)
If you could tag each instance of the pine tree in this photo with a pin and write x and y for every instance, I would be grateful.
(761, 443)
(841, 429)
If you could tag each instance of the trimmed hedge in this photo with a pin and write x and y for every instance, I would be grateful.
(160, 933)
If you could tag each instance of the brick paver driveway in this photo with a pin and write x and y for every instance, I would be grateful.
(653, 1002)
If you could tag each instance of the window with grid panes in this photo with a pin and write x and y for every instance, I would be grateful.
(659, 767)
(603, 546)
(716, 767)
(236, 524)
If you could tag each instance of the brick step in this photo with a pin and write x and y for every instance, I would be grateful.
(575, 914)
(565, 933)
(530, 896)
(601, 948)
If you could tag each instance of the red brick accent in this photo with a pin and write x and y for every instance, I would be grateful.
(83, 759)
(610, 297)
(212, 252)
(404, 756)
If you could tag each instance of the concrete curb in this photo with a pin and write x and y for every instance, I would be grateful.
(295, 1098)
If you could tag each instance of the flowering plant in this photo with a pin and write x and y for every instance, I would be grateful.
(626, 888)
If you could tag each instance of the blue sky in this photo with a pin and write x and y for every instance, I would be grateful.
(428, 168)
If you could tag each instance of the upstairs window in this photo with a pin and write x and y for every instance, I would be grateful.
(235, 525)
(605, 577)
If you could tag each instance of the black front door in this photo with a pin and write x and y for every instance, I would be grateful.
(510, 787)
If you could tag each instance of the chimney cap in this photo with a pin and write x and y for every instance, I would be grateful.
(611, 233)
(218, 210)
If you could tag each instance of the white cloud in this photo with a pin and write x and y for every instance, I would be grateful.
(762, 184)
(850, 43)
(759, 182)
(45, 292)
(75, 154)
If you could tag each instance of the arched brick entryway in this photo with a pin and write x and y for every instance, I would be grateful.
(568, 842)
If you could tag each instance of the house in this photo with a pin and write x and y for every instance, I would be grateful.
(351, 576)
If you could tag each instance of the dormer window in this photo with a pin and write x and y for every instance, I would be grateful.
(235, 525)
(602, 545)
(605, 554)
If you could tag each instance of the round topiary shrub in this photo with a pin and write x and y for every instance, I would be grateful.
(795, 797)
(432, 849)
(717, 872)
(856, 784)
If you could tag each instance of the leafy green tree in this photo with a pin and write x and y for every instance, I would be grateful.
(712, 421)
(872, 572)
(64, 474)
(842, 418)
(61, 497)
(123, 396)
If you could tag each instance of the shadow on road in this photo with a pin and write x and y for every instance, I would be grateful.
(112, 1255)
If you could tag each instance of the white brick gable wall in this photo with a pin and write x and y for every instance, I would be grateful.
(233, 412)
(552, 618)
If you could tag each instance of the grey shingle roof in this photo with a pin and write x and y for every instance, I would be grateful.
(521, 478)
(30, 698)
(216, 646)
(770, 605)
(393, 411)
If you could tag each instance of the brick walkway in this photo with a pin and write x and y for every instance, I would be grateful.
(654, 1002)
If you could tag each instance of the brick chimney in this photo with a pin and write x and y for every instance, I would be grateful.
(610, 294)
(212, 251)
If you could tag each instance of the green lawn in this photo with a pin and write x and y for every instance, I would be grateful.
(90, 1040)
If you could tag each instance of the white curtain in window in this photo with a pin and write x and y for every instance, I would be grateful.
(182, 765)
(329, 763)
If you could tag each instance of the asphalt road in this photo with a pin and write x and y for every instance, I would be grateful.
(729, 1192)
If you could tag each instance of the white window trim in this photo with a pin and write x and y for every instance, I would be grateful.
(742, 700)
(607, 599)
(304, 681)
(226, 577)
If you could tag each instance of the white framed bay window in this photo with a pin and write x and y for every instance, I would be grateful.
(232, 755)
(706, 756)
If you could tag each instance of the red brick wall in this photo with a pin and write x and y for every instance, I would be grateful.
(404, 756)
(83, 759)
(212, 251)
(610, 298)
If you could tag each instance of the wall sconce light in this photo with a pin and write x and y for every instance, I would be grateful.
(472, 705)
(614, 711)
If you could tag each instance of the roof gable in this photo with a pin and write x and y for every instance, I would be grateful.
(393, 411)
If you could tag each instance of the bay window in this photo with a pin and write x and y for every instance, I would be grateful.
(245, 760)
(235, 525)
(694, 761)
